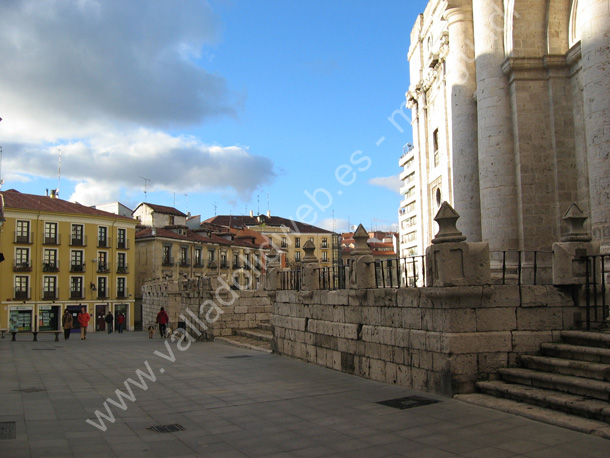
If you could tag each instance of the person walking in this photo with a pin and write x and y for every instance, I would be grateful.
(67, 322)
(83, 321)
(109, 319)
(162, 319)
(120, 322)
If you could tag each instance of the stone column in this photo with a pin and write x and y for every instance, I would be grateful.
(595, 41)
(461, 84)
(498, 191)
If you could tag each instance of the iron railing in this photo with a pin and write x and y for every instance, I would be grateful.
(333, 278)
(409, 272)
(516, 267)
(291, 280)
(596, 289)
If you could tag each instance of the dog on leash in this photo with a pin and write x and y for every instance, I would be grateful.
(151, 331)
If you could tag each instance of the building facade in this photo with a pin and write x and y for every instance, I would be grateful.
(62, 255)
(287, 237)
(510, 118)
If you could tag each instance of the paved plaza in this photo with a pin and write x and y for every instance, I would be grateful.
(220, 401)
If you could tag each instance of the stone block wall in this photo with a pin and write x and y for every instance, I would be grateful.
(205, 307)
(440, 340)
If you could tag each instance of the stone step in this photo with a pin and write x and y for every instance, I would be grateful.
(565, 402)
(579, 352)
(565, 383)
(257, 334)
(245, 342)
(553, 417)
(571, 367)
(586, 338)
(265, 326)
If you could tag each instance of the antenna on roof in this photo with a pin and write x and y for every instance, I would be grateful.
(215, 207)
(187, 202)
(146, 180)
(268, 208)
(58, 173)
(258, 204)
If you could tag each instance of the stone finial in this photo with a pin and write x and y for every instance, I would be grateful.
(309, 248)
(361, 236)
(575, 219)
(447, 218)
(273, 258)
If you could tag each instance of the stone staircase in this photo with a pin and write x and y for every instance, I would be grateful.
(567, 385)
(258, 338)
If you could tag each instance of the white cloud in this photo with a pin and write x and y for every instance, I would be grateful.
(75, 67)
(330, 224)
(176, 164)
(392, 183)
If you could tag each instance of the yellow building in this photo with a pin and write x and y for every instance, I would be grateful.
(62, 255)
(287, 237)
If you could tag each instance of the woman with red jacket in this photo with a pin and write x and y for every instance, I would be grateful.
(83, 321)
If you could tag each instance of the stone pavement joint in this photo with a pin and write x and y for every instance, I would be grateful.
(262, 405)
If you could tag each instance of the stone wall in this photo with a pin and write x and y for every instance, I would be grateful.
(205, 304)
(433, 339)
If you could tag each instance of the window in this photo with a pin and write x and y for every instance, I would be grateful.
(101, 287)
(102, 236)
(435, 147)
(198, 257)
(121, 290)
(211, 257)
(22, 235)
(102, 262)
(122, 239)
(324, 243)
(184, 256)
(76, 261)
(76, 288)
(22, 260)
(22, 291)
(171, 220)
(257, 261)
(284, 242)
(50, 234)
(78, 238)
(167, 256)
(49, 288)
(223, 260)
(49, 262)
(325, 256)
(297, 256)
(121, 263)
(236, 260)
(297, 242)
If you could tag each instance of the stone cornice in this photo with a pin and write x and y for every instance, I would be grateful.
(535, 68)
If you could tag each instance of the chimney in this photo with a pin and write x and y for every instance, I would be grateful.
(251, 213)
(53, 194)
(269, 213)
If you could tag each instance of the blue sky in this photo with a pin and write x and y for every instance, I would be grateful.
(224, 107)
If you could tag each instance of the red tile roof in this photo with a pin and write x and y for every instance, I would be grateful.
(240, 221)
(163, 209)
(191, 236)
(16, 200)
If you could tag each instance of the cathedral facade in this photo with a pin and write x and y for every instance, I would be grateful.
(510, 105)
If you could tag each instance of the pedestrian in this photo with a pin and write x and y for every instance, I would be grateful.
(109, 319)
(162, 319)
(83, 321)
(67, 321)
(120, 322)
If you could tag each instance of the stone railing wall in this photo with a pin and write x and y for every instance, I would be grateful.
(205, 304)
(432, 339)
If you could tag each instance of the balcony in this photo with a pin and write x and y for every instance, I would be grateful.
(24, 238)
(198, 264)
(167, 262)
(22, 294)
(50, 295)
(121, 293)
(52, 240)
(22, 266)
(122, 244)
(224, 265)
(103, 243)
(122, 269)
(236, 265)
(76, 294)
(77, 267)
(50, 266)
(212, 264)
(184, 263)
(102, 293)
(103, 268)
(78, 241)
